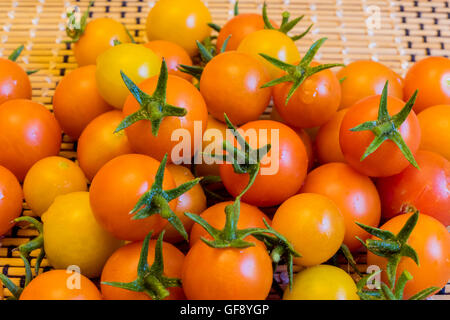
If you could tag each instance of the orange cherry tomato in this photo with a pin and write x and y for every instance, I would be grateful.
(354, 194)
(14, 81)
(282, 170)
(122, 267)
(28, 133)
(365, 78)
(193, 201)
(180, 93)
(173, 54)
(56, 285)
(435, 127)
(249, 217)
(431, 241)
(313, 224)
(313, 103)
(98, 143)
(227, 273)
(431, 76)
(98, 36)
(327, 140)
(10, 200)
(116, 189)
(238, 28)
(426, 189)
(231, 83)
(388, 159)
(77, 101)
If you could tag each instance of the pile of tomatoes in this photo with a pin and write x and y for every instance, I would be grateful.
(343, 153)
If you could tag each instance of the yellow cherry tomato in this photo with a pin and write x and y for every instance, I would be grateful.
(98, 37)
(435, 125)
(72, 236)
(322, 282)
(136, 61)
(272, 43)
(179, 21)
(49, 178)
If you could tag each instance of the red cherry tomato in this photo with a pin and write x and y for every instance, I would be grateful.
(14, 81)
(10, 200)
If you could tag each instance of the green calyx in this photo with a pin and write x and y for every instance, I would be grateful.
(76, 26)
(232, 237)
(286, 24)
(153, 108)
(150, 279)
(16, 54)
(386, 127)
(393, 247)
(297, 74)
(156, 200)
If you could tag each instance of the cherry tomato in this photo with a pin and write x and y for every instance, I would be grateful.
(365, 78)
(426, 189)
(10, 200)
(122, 267)
(227, 274)
(116, 189)
(98, 143)
(313, 103)
(53, 285)
(354, 194)
(180, 93)
(77, 101)
(354, 144)
(98, 37)
(28, 133)
(435, 127)
(14, 81)
(238, 28)
(193, 201)
(136, 61)
(431, 241)
(431, 76)
(231, 83)
(282, 171)
(250, 217)
(322, 282)
(313, 224)
(182, 22)
(51, 177)
(327, 140)
(273, 43)
(173, 54)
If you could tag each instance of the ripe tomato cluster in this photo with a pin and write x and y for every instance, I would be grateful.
(140, 218)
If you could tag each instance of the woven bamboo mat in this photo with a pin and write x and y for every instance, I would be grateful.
(394, 32)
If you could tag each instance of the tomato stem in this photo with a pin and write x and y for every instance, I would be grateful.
(77, 25)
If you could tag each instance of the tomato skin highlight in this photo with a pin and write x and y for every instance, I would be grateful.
(313, 103)
(353, 193)
(52, 285)
(431, 77)
(431, 241)
(116, 189)
(313, 224)
(426, 189)
(14, 82)
(435, 126)
(284, 180)
(10, 199)
(179, 93)
(227, 274)
(354, 144)
(366, 78)
(98, 143)
(231, 83)
(122, 267)
(28, 133)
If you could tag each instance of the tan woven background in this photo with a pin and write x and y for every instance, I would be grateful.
(407, 31)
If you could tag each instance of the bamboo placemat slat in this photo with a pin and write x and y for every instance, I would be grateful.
(407, 31)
